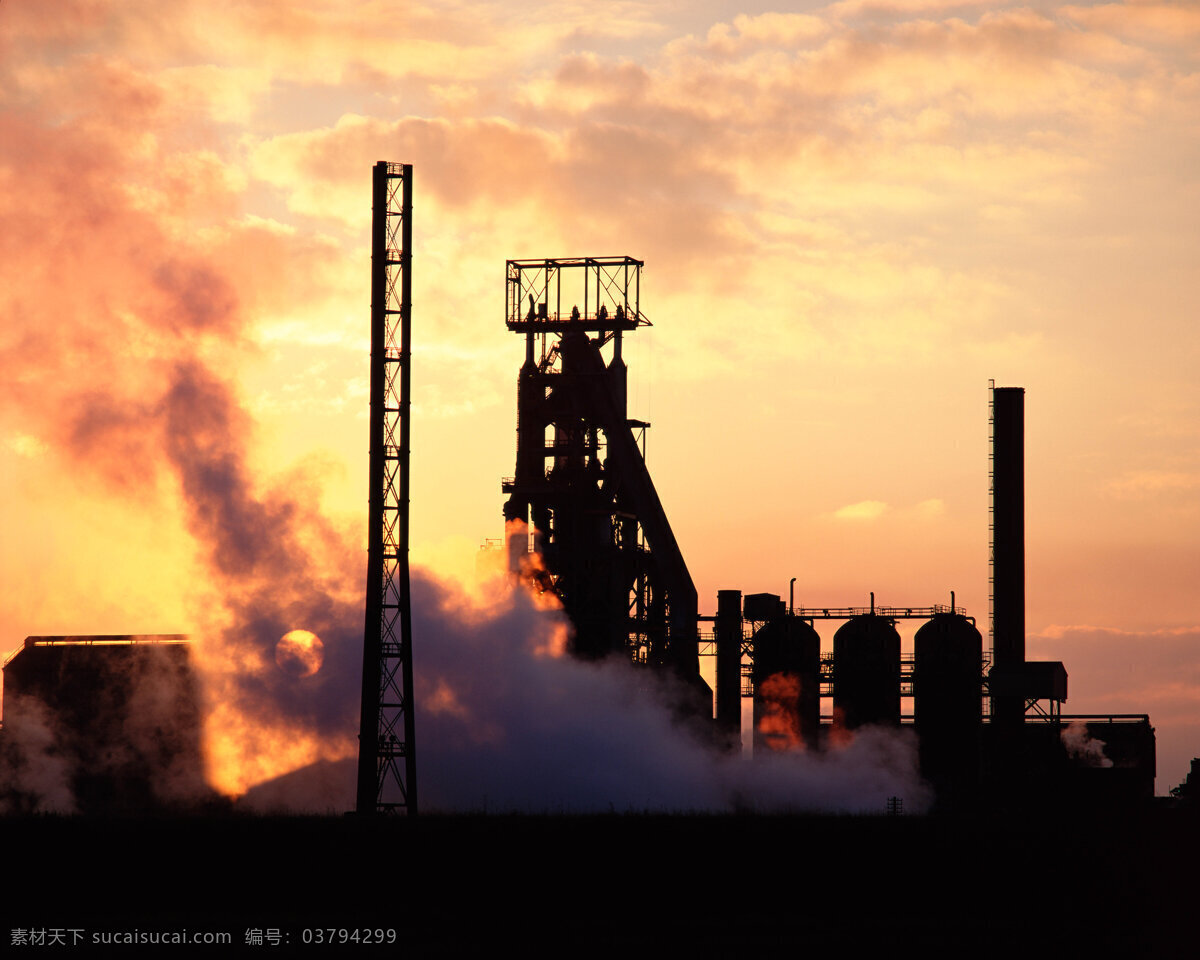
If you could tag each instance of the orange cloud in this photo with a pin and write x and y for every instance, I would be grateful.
(863, 510)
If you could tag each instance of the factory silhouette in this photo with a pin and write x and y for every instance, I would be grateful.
(120, 716)
(990, 724)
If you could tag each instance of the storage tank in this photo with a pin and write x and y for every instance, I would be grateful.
(947, 702)
(787, 685)
(866, 672)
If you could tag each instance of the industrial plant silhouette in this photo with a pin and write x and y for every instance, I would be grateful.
(117, 724)
(582, 508)
(990, 724)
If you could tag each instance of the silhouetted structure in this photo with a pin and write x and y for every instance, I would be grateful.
(102, 724)
(787, 684)
(866, 673)
(1008, 555)
(581, 487)
(1022, 750)
(387, 775)
(1187, 793)
(947, 703)
(728, 635)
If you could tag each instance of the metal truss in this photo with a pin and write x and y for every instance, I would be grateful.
(581, 482)
(594, 294)
(387, 779)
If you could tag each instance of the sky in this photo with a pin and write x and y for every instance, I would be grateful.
(853, 216)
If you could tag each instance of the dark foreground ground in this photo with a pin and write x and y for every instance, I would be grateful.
(738, 886)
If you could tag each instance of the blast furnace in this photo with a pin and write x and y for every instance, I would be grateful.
(581, 490)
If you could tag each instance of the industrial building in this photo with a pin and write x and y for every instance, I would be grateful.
(581, 495)
(109, 723)
(120, 719)
(990, 724)
(583, 519)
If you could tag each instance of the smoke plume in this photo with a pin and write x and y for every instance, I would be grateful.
(504, 722)
(35, 777)
(1082, 747)
(501, 726)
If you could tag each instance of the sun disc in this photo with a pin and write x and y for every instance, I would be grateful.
(299, 653)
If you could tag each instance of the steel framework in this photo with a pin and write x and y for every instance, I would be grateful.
(581, 483)
(387, 776)
(747, 629)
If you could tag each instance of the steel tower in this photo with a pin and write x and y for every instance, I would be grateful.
(581, 482)
(387, 776)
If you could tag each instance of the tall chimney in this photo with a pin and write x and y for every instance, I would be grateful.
(1008, 549)
(728, 635)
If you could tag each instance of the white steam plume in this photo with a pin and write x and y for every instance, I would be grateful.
(1081, 746)
(34, 775)
(503, 726)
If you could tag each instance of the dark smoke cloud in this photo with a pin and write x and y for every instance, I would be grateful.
(274, 563)
(277, 563)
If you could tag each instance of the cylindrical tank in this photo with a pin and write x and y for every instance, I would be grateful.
(866, 672)
(947, 671)
(947, 701)
(787, 685)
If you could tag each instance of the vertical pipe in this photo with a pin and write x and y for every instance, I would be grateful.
(729, 666)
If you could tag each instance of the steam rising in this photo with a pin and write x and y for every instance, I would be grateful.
(501, 725)
(1082, 747)
(120, 734)
(502, 728)
(35, 776)
(280, 567)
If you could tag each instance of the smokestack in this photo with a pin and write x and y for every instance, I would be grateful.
(1008, 549)
(729, 666)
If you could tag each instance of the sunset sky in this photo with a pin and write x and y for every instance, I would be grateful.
(852, 216)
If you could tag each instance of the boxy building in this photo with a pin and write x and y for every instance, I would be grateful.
(101, 724)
